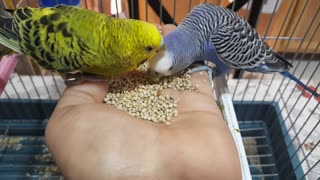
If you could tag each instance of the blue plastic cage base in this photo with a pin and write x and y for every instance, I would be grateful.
(24, 153)
(262, 130)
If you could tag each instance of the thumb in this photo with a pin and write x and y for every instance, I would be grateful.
(84, 93)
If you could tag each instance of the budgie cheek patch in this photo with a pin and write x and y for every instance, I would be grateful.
(138, 95)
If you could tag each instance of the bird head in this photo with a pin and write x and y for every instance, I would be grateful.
(162, 62)
(149, 41)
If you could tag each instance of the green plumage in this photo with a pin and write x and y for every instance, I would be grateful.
(66, 39)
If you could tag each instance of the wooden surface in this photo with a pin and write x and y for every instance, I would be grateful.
(283, 23)
(276, 21)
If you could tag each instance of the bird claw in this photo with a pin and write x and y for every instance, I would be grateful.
(208, 69)
(79, 77)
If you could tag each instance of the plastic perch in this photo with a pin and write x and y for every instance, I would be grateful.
(7, 65)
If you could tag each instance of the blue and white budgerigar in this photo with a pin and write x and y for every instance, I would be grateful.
(219, 35)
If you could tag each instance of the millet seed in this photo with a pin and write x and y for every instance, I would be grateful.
(138, 95)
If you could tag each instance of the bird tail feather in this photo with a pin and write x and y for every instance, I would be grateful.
(8, 37)
(292, 77)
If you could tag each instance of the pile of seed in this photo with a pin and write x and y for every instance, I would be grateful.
(137, 94)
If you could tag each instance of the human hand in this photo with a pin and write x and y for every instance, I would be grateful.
(92, 140)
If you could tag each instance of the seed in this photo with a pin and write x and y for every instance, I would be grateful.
(158, 93)
(140, 97)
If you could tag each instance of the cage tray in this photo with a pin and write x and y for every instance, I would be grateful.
(24, 152)
(263, 135)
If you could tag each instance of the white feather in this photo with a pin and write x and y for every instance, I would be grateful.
(162, 62)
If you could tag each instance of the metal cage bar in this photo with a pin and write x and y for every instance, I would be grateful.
(264, 106)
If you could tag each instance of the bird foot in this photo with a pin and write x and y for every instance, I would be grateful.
(80, 77)
(208, 69)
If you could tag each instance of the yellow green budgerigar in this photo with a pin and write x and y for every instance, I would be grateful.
(67, 39)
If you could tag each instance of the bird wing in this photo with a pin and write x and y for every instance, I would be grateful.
(51, 36)
(241, 47)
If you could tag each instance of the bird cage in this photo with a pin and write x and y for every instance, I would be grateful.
(275, 124)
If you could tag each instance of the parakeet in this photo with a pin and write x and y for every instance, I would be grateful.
(67, 39)
(219, 35)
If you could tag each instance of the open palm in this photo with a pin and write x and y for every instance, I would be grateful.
(92, 140)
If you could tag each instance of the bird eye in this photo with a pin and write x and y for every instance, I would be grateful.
(149, 48)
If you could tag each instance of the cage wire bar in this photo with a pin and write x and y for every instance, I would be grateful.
(275, 125)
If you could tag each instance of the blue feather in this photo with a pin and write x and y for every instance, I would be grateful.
(211, 55)
(292, 77)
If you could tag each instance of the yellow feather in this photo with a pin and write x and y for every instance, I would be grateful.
(67, 38)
